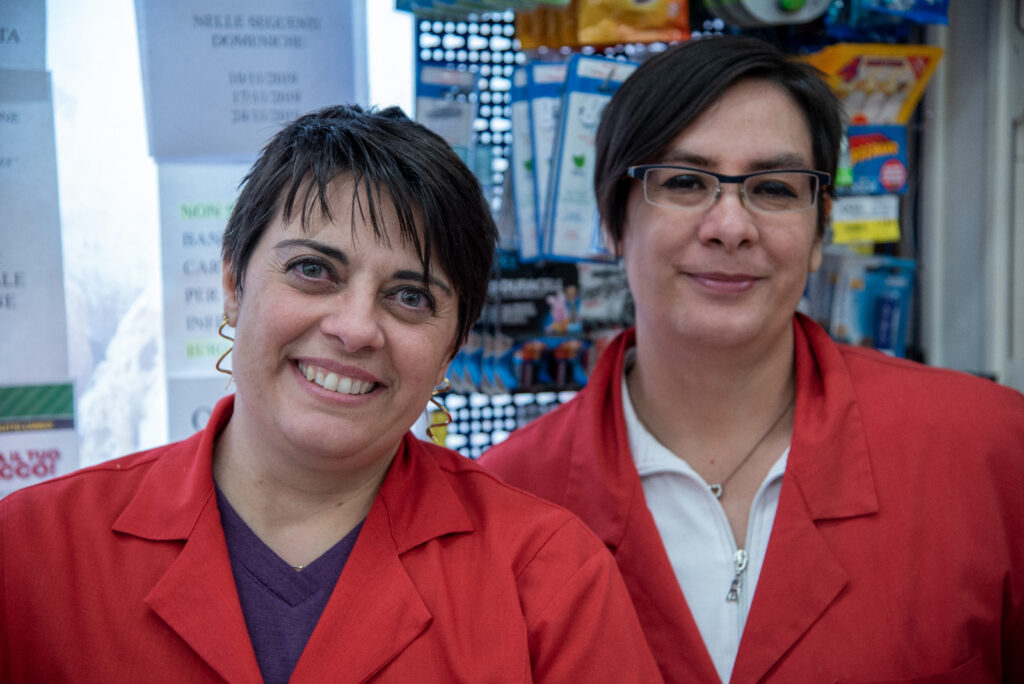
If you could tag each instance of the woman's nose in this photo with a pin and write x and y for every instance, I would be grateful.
(728, 222)
(354, 319)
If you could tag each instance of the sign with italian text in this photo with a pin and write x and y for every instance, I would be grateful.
(222, 76)
(195, 203)
(33, 344)
(37, 434)
(23, 34)
(190, 402)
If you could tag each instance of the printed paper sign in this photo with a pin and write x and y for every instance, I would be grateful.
(37, 434)
(31, 274)
(23, 34)
(222, 76)
(190, 402)
(195, 203)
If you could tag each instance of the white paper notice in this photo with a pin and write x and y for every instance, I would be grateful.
(31, 274)
(37, 434)
(195, 203)
(222, 76)
(23, 34)
(190, 402)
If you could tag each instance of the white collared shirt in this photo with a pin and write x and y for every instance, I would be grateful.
(697, 536)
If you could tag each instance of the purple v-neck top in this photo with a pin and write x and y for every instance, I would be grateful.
(281, 605)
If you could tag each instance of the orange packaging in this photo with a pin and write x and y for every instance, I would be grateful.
(612, 22)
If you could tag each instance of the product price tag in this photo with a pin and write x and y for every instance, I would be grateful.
(866, 219)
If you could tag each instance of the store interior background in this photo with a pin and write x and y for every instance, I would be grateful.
(970, 208)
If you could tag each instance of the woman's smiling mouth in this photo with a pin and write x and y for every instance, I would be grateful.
(335, 383)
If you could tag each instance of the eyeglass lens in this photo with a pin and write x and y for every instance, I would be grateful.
(775, 191)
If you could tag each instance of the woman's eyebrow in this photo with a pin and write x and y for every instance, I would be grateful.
(324, 249)
(418, 277)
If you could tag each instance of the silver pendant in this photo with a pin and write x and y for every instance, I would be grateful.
(716, 489)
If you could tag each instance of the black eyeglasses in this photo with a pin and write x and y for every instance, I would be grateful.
(775, 191)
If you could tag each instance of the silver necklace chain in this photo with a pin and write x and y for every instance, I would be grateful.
(718, 488)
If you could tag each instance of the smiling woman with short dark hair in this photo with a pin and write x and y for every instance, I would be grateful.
(306, 535)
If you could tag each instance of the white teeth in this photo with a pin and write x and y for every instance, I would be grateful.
(334, 382)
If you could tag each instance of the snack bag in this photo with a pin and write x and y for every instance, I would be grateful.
(610, 22)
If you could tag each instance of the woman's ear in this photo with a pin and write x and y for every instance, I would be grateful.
(228, 282)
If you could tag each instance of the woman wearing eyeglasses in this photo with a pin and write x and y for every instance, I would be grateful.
(782, 507)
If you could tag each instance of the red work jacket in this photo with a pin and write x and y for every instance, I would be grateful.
(897, 552)
(120, 573)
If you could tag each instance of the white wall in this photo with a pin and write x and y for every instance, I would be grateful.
(972, 214)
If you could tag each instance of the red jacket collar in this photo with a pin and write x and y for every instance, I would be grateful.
(828, 460)
(180, 483)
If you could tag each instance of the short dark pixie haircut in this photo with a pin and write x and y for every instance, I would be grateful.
(390, 158)
(671, 89)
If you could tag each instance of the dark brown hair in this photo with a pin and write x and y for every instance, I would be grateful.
(670, 90)
(390, 158)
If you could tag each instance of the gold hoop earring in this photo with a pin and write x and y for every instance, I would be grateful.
(440, 389)
(220, 331)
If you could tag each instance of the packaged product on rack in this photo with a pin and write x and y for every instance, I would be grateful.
(821, 286)
(878, 83)
(446, 104)
(611, 22)
(572, 227)
(878, 160)
(871, 302)
(537, 343)
(521, 168)
(605, 304)
(544, 86)
(917, 11)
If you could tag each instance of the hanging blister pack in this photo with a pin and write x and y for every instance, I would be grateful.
(522, 168)
(544, 86)
(446, 104)
(572, 230)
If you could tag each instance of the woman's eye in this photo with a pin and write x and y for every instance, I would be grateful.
(687, 183)
(308, 268)
(775, 189)
(414, 298)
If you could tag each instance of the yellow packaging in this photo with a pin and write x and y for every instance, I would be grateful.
(610, 22)
(878, 83)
